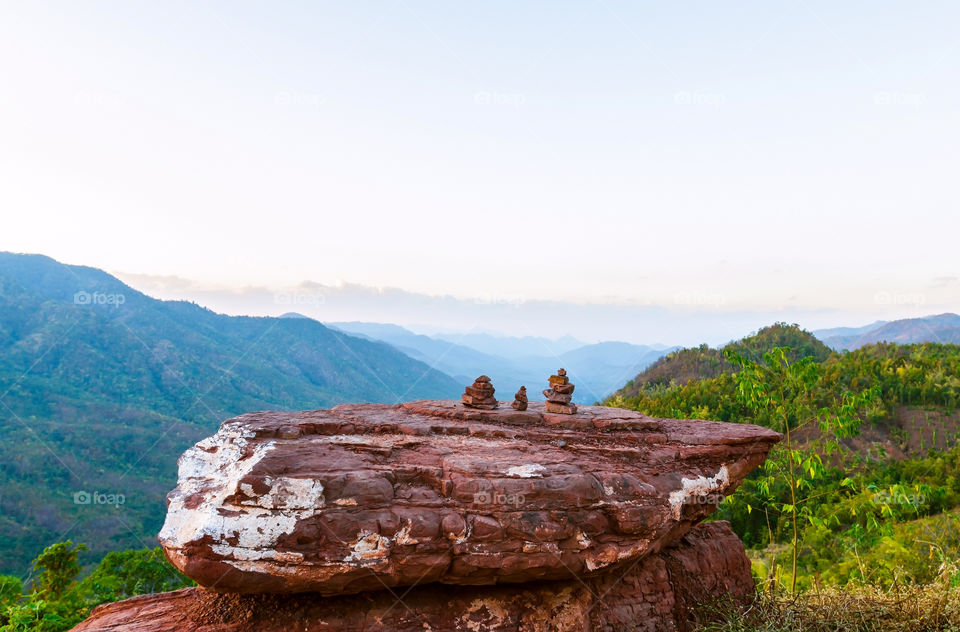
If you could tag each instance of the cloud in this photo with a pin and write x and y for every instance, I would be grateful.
(690, 321)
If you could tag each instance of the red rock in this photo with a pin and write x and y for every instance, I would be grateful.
(520, 399)
(366, 496)
(481, 401)
(659, 593)
(561, 408)
(480, 395)
(559, 394)
(480, 392)
(558, 398)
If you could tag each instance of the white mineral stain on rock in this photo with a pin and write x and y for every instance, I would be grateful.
(403, 535)
(464, 536)
(700, 486)
(582, 540)
(610, 554)
(212, 471)
(353, 439)
(496, 616)
(533, 470)
(369, 547)
(287, 493)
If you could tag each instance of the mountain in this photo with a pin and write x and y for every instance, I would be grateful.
(942, 328)
(514, 347)
(704, 362)
(602, 367)
(597, 369)
(102, 388)
(832, 332)
(461, 362)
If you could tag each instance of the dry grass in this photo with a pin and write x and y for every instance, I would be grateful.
(933, 607)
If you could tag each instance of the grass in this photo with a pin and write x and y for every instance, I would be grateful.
(933, 607)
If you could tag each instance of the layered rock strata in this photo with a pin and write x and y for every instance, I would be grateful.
(662, 592)
(368, 497)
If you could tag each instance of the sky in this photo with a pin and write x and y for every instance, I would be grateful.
(670, 172)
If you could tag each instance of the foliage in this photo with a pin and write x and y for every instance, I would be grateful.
(58, 568)
(10, 590)
(123, 574)
(701, 363)
(862, 517)
(924, 375)
(781, 396)
(58, 601)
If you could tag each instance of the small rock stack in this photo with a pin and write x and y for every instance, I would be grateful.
(520, 399)
(559, 394)
(480, 395)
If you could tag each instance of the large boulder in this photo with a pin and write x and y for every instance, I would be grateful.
(367, 497)
(662, 592)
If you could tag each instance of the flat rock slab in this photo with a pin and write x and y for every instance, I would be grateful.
(658, 593)
(365, 497)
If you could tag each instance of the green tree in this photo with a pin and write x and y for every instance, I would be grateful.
(58, 567)
(11, 589)
(782, 395)
(123, 574)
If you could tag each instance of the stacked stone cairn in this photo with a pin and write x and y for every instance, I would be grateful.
(559, 394)
(520, 399)
(480, 395)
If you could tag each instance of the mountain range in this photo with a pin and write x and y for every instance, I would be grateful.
(943, 328)
(596, 369)
(102, 387)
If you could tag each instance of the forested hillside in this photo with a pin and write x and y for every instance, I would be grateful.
(102, 388)
(865, 487)
(703, 362)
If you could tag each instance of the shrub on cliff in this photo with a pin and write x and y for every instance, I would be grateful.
(57, 600)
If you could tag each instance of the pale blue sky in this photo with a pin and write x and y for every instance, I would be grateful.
(788, 158)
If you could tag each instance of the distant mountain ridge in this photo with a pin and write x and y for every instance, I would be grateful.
(942, 328)
(103, 387)
(514, 347)
(597, 369)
